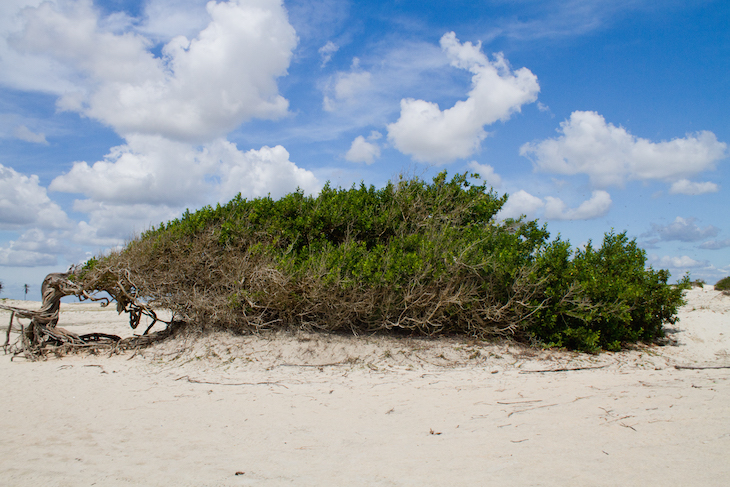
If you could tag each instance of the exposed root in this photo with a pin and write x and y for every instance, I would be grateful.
(41, 336)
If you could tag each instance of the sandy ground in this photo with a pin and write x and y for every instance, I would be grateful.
(314, 410)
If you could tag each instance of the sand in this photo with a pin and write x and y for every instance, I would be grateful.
(317, 410)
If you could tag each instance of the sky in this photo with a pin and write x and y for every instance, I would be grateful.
(117, 115)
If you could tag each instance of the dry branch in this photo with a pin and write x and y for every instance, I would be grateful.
(701, 367)
(42, 335)
(566, 369)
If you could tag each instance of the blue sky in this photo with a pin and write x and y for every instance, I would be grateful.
(116, 115)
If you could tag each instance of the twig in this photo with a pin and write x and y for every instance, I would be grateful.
(10, 327)
(700, 367)
(530, 409)
(519, 402)
(195, 381)
(561, 370)
(627, 426)
(332, 364)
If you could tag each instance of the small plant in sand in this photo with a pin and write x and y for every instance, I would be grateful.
(412, 258)
(723, 284)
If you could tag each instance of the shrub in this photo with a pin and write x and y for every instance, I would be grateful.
(412, 257)
(602, 298)
(723, 284)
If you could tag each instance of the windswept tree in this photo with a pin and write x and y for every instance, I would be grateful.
(412, 258)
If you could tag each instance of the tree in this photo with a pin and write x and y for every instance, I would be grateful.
(42, 334)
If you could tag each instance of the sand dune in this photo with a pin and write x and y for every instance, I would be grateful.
(314, 410)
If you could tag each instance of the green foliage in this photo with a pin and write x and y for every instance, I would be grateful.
(602, 298)
(417, 257)
(723, 284)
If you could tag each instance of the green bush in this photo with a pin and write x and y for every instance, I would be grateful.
(412, 257)
(602, 298)
(723, 284)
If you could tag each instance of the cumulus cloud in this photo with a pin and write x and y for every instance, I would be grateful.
(33, 248)
(148, 169)
(12, 257)
(363, 150)
(675, 262)
(258, 172)
(218, 67)
(110, 225)
(200, 88)
(598, 205)
(683, 230)
(685, 186)
(429, 134)
(523, 203)
(715, 244)
(24, 71)
(344, 87)
(24, 202)
(520, 203)
(24, 133)
(327, 51)
(151, 179)
(610, 155)
(165, 19)
(486, 173)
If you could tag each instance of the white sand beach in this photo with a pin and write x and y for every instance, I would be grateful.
(321, 410)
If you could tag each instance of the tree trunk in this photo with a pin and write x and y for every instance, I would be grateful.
(43, 323)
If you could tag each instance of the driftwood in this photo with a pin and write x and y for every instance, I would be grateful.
(42, 333)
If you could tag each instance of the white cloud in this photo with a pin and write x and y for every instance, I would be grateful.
(111, 225)
(598, 205)
(327, 51)
(24, 202)
(148, 169)
(486, 173)
(363, 150)
(23, 258)
(33, 248)
(24, 71)
(345, 87)
(674, 262)
(172, 110)
(715, 244)
(199, 89)
(428, 134)
(258, 172)
(165, 19)
(522, 202)
(518, 204)
(610, 155)
(685, 186)
(151, 179)
(371, 90)
(24, 133)
(683, 230)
